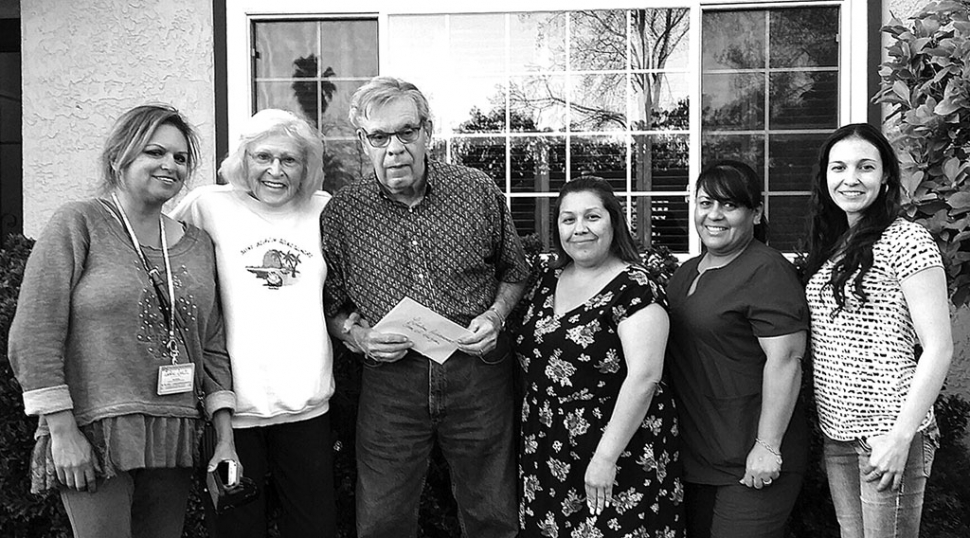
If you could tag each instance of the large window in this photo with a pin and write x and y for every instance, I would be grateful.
(311, 67)
(641, 97)
(536, 99)
(770, 95)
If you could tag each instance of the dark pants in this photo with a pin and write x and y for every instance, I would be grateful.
(298, 458)
(737, 511)
(466, 405)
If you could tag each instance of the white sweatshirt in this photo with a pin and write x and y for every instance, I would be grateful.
(271, 273)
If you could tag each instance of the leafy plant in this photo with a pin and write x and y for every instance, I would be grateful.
(926, 84)
(21, 514)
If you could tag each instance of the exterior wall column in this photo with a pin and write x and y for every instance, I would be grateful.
(84, 63)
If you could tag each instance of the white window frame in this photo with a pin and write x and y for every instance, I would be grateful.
(853, 72)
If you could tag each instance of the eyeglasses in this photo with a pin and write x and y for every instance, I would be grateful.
(265, 158)
(380, 139)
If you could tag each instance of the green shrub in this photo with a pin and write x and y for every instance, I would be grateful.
(946, 508)
(926, 84)
(22, 515)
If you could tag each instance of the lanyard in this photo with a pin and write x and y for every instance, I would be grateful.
(172, 343)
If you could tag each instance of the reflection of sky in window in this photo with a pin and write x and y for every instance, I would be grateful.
(678, 58)
(454, 55)
(465, 93)
(538, 42)
(419, 46)
(720, 91)
(477, 43)
(673, 90)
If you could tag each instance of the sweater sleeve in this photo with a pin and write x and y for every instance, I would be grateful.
(39, 332)
(217, 372)
(216, 365)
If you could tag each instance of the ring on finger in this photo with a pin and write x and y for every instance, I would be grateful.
(767, 481)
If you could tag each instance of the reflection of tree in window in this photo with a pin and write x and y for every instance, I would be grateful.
(773, 75)
(598, 102)
(599, 44)
(314, 105)
(801, 41)
(529, 160)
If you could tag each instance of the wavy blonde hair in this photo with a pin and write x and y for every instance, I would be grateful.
(271, 122)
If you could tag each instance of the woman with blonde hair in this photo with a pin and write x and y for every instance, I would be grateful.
(265, 225)
(118, 340)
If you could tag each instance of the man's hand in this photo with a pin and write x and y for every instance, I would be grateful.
(485, 330)
(379, 346)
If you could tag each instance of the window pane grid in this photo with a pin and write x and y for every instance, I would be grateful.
(311, 67)
(566, 112)
(771, 93)
(549, 110)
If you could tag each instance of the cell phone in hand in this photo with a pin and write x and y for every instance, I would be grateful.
(228, 472)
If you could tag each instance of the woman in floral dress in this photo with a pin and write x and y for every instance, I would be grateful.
(599, 434)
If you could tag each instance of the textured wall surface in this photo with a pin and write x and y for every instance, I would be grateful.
(959, 379)
(84, 63)
(902, 9)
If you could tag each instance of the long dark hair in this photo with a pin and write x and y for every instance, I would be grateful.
(736, 182)
(623, 245)
(829, 226)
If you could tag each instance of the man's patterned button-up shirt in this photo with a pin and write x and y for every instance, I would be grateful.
(448, 252)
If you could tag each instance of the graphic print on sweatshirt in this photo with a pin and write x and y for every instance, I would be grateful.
(275, 261)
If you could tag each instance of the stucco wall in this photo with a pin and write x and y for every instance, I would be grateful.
(959, 379)
(903, 8)
(84, 63)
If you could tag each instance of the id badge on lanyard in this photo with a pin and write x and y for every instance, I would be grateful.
(173, 378)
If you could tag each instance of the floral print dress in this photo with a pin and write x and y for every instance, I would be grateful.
(573, 367)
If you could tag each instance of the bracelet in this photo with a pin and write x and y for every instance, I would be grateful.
(769, 448)
(501, 318)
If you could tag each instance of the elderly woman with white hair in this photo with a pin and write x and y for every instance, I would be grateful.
(265, 226)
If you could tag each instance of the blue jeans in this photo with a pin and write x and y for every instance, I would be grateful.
(466, 405)
(143, 503)
(865, 512)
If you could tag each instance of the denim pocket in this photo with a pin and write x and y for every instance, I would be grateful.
(495, 357)
(503, 348)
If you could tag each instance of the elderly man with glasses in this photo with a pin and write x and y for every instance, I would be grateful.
(442, 235)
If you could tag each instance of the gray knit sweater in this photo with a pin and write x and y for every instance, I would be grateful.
(88, 333)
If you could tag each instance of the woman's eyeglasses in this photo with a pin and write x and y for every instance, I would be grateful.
(265, 158)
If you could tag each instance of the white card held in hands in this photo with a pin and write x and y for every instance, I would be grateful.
(433, 335)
